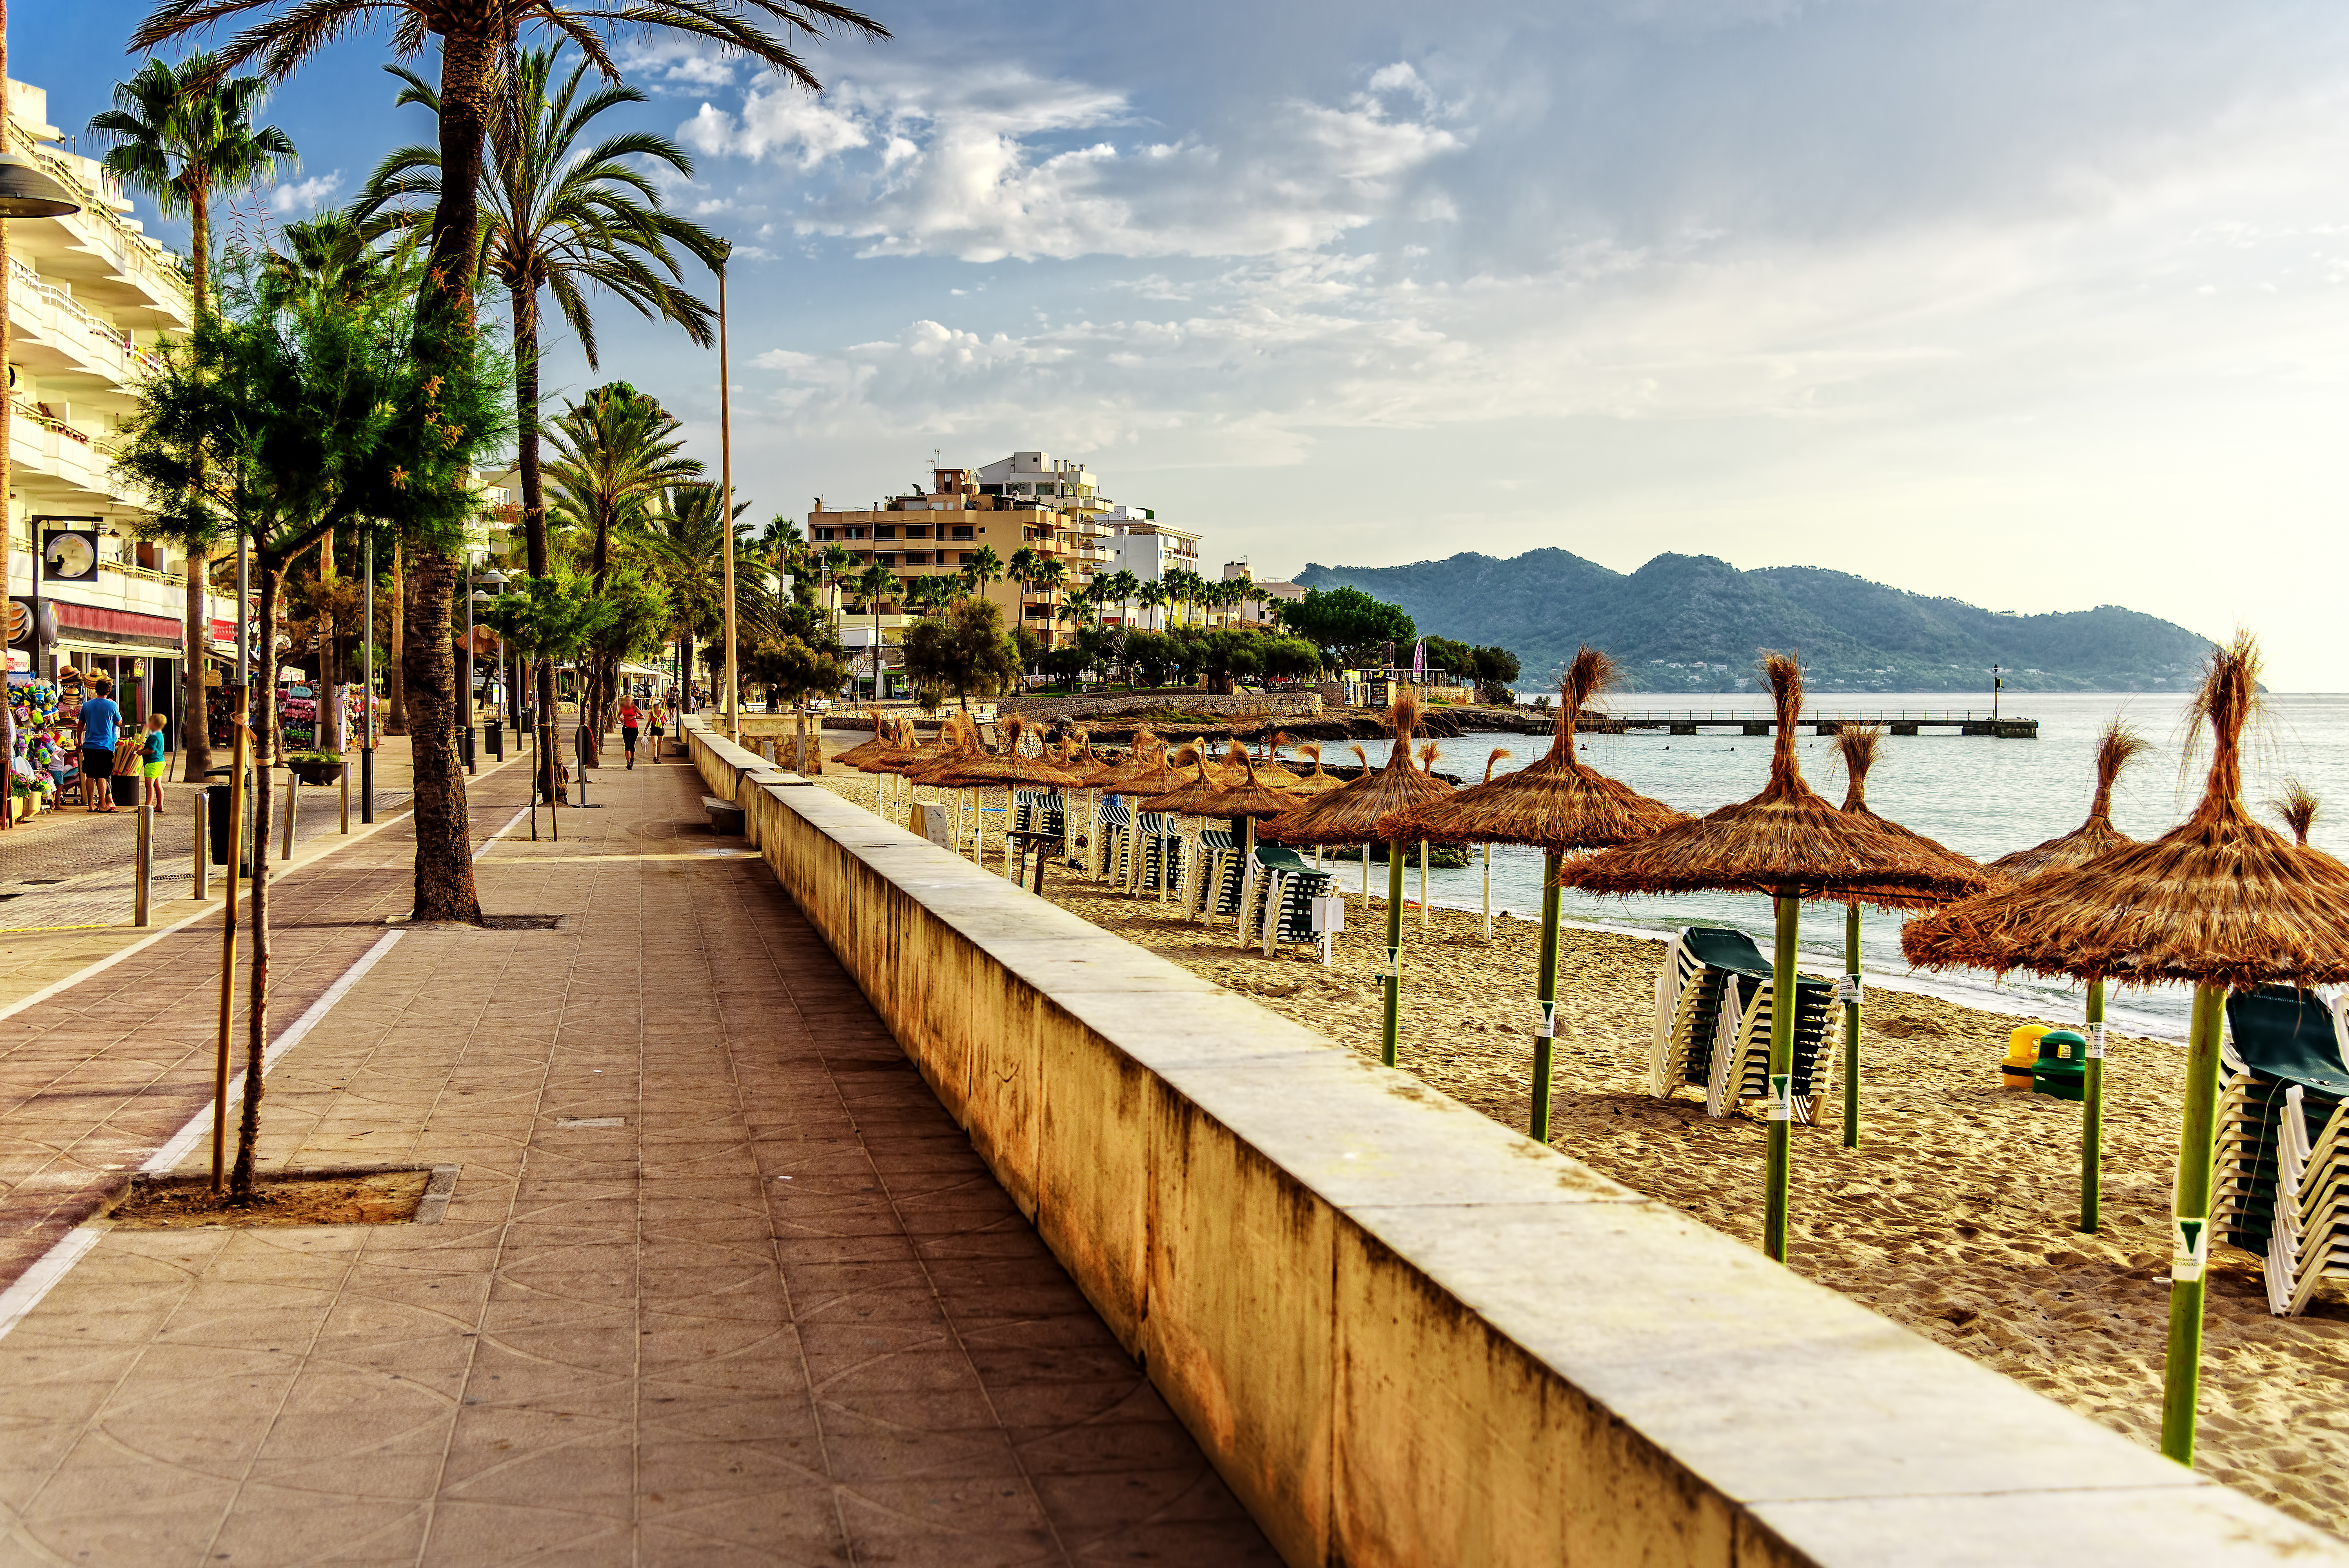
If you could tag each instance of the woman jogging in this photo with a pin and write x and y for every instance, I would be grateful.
(653, 731)
(631, 716)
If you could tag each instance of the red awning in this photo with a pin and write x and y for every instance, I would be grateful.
(118, 626)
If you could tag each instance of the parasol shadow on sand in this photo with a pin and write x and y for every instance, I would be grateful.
(1555, 804)
(2115, 749)
(2220, 901)
(1789, 842)
(1354, 814)
(1857, 745)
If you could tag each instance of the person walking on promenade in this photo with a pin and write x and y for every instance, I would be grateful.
(150, 761)
(632, 719)
(101, 722)
(653, 731)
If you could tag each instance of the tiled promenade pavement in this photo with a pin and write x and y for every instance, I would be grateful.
(721, 1282)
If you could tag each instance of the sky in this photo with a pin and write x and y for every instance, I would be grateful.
(2038, 307)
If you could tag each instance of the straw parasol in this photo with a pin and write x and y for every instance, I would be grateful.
(854, 757)
(1354, 815)
(1275, 772)
(2220, 901)
(1858, 744)
(2298, 807)
(1499, 755)
(1244, 803)
(2116, 748)
(1789, 842)
(1317, 782)
(1557, 804)
(1004, 771)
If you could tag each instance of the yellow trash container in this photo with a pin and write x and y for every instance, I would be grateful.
(2023, 1055)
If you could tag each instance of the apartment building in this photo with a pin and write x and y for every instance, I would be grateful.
(87, 294)
(1255, 611)
(1028, 500)
(1149, 549)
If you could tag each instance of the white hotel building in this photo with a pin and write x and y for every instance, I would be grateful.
(87, 294)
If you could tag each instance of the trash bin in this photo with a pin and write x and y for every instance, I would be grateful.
(125, 787)
(216, 819)
(2063, 1065)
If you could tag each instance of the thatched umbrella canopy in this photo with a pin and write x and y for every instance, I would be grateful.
(1011, 766)
(1273, 770)
(1147, 775)
(2220, 901)
(1789, 842)
(1207, 796)
(958, 743)
(2115, 749)
(1141, 755)
(854, 757)
(2297, 806)
(1557, 804)
(1354, 814)
(1317, 782)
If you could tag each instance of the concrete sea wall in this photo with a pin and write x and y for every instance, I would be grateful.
(1405, 1334)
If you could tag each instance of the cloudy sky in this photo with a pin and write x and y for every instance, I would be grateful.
(2040, 306)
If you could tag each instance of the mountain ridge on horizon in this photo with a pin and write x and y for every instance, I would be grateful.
(1695, 623)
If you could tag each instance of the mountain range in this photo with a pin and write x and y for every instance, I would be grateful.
(1695, 623)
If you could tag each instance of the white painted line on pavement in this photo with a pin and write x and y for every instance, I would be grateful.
(47, 1268)
(171, 1153)
(502, 832)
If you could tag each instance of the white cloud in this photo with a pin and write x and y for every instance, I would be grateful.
(678, 65)
(988, 165)
(305, 196)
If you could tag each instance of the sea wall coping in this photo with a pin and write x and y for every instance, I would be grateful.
(1403, 1332)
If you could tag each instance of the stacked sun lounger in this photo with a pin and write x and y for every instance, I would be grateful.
(2281, 1186)
(1711, 1024)
(1114, 829)
(1215, 890)
(1281, 908)
(1161, 846)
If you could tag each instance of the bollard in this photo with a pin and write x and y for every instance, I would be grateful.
(293, 804)
(200, 843)
(146, 858)
(346, 781)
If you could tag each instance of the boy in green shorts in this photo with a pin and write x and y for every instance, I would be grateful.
(150, 761)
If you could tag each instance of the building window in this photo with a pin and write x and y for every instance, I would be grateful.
(857, 533)
(823, 535)
(885, 532)
(885, 560)
(962, 531)
(917, 530)
(970, 559)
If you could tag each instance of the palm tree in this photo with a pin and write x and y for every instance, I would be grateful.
(985, 567)
(1153, 594)
(1117, 588)
(1051, 577)
(559, 217)
(474, 36)
(836, 563)
(616, 453)
(1081, 608)
(874, 584)
(179, 135)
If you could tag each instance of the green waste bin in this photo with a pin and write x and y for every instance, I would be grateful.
(2062, 1070)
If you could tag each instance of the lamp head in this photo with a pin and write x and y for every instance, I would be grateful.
(27, 191)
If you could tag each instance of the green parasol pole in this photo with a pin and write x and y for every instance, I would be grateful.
(2189, 1239)
(1545, 1035)
(1850, 1028)
(1782, 1075)
(2091, 1109)
(1394, 945)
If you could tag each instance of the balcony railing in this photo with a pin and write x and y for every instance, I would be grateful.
(131, 251)
(113, 344)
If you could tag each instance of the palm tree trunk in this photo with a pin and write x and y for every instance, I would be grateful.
(445, 344)
(534, 493)
(444, 861)
(256, 1026)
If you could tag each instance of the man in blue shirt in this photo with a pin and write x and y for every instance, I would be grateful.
(100, 720)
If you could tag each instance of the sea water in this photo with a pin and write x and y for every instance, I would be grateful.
(1981, 796)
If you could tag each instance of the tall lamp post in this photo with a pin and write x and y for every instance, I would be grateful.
(467, 685)
(366, 681)
(726, 480)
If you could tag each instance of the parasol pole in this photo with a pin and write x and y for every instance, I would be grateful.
(2092, 1108)
(1851, 1027)
(2190, 1238)
(1782, 1074)
(1488, 893)
(1545, 1033)
(1394, 943)
(1422, 884)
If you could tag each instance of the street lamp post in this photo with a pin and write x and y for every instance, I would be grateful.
(466, 686)
(726, 480)
(490, 585)
(366, 682)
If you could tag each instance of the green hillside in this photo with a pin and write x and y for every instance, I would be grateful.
(1693, 623)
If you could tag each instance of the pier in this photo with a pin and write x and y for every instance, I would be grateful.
(1897, 722)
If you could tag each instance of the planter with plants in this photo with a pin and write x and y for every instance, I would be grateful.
(314, 767)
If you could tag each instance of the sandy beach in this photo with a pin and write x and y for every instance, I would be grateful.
(1954, 1218)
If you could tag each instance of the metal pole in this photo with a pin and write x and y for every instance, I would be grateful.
(1782, 1075)
(725, 473)
(240, 753)
(1545, 1032)
(468, 688)
(344, 778)
(2189, 1240)
(1422, 884)
(1394, 950)
(1851, 1027)
(2092, 1110)
(293, 804)
(243, 633)
(146, 851)
(366, 683)
(200, 868)
(1488, 891)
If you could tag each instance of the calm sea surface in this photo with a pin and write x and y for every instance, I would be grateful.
(1981, 796)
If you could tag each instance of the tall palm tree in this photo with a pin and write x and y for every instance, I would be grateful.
(1154, 596)
(1080, 607)
(180, 134)
(474, 36)
(1119, 587)
(874, 584)
(984, 569)
(836, 563)
(1051, 577)
(617, 452)
(560, 214)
